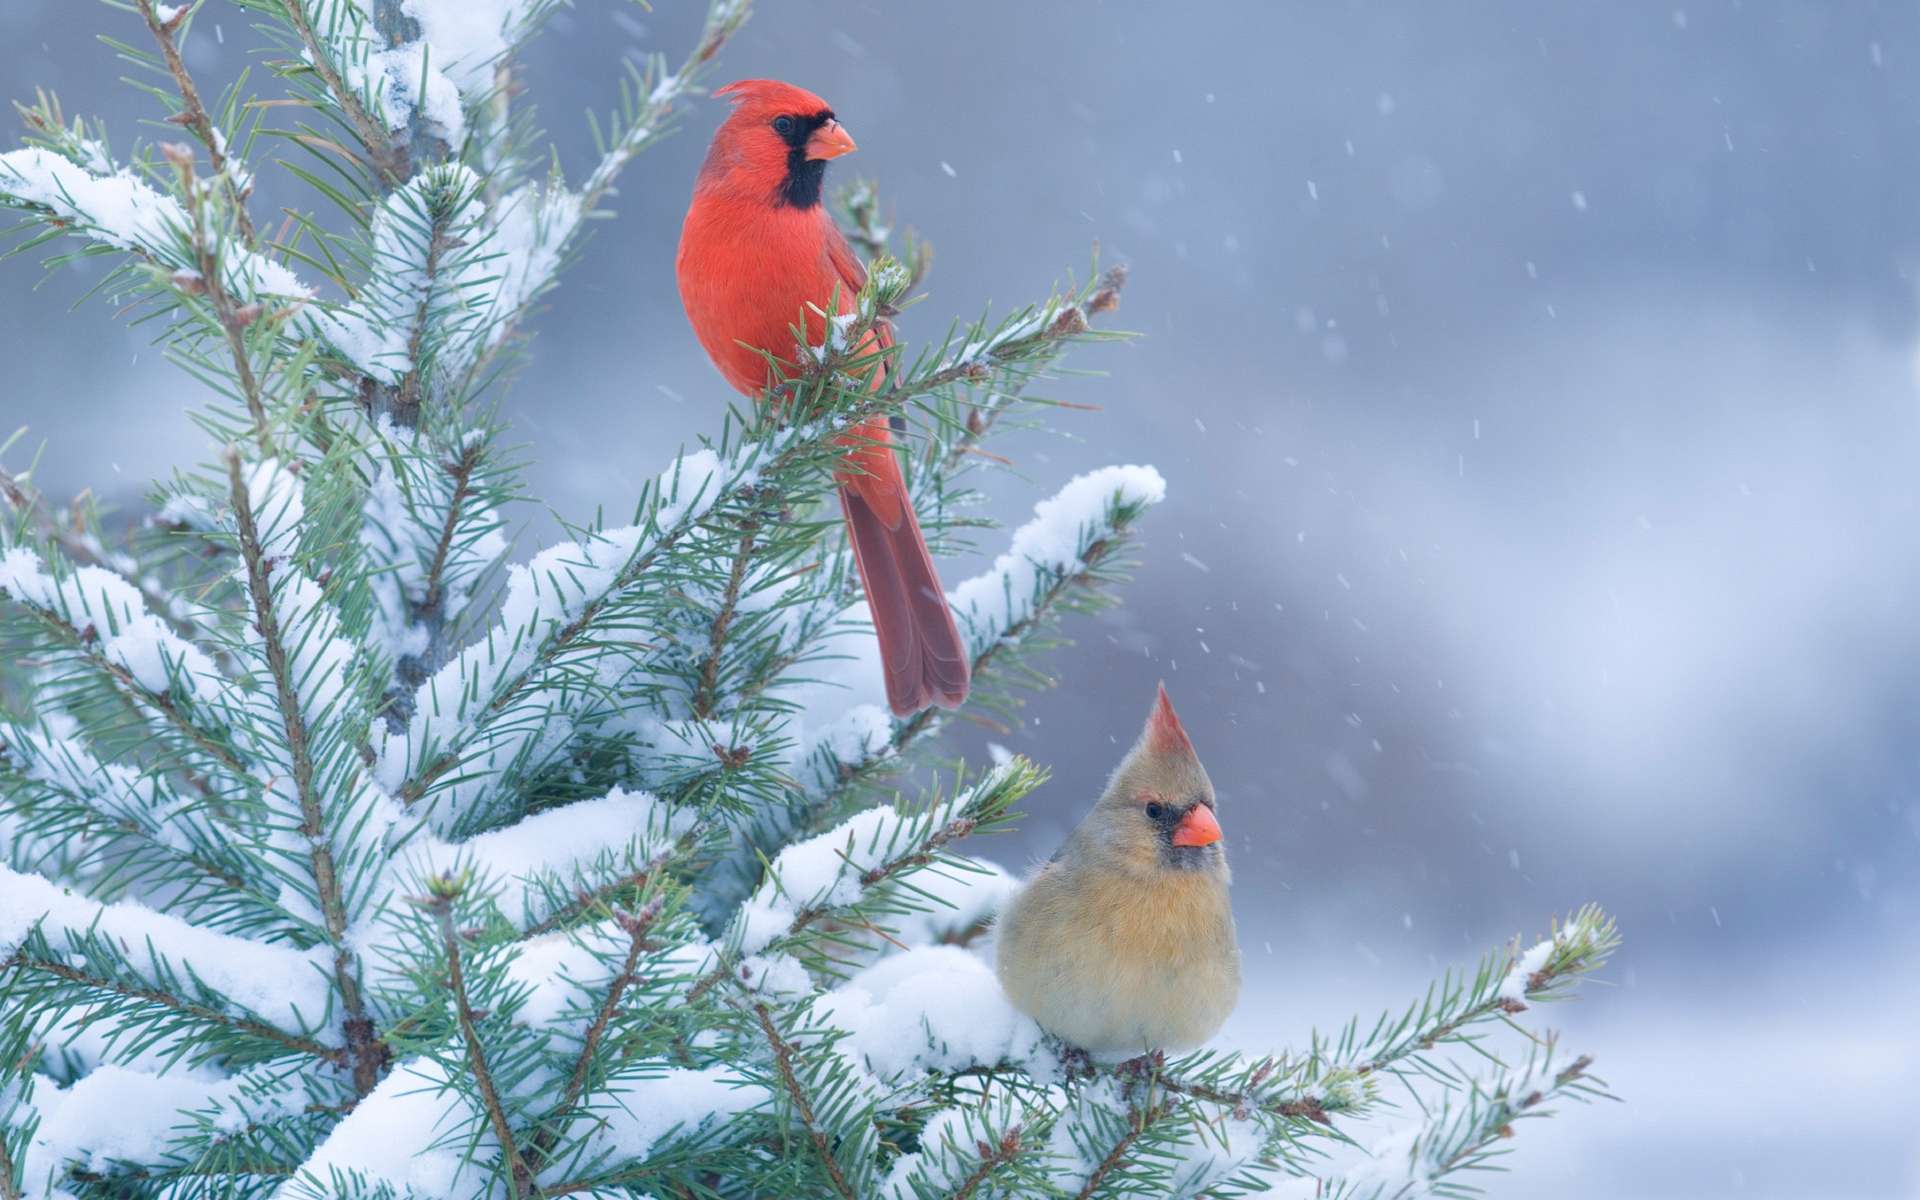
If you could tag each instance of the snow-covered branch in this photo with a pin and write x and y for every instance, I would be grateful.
(204, 993)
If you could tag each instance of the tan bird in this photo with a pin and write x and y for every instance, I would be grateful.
(1124, 942)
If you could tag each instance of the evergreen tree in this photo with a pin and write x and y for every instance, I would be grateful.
(343, 860)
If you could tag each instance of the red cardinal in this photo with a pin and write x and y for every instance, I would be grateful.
(758, 256)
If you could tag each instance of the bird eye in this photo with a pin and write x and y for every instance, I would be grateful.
(1156, 810)
(783, 126)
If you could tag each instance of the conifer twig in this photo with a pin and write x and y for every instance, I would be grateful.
(28, 503)
(250, 1026)
(441, 905)
(193, 113)
(707, 692)
(636, 927)
(7, 1189)
(130, 689)
(388, 160)
(992, 1158)
(369, 1055)
(783, 1053)
(1138, 1119)
(233, 318)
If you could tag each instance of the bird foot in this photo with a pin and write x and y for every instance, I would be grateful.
(1075, 1063)
(1144, 1065)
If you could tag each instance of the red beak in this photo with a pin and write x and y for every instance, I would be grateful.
(1198, 828)
(830, 141)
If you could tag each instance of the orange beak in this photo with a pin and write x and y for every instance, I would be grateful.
(1198, 828)
(830, 141)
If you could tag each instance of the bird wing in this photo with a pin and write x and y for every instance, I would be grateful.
(853, 277)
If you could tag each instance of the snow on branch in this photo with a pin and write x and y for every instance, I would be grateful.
(1468, 1130)
(101, 635)
(113, 206)
(862, 870)
(538, 870)
(430, 531)
(207, 989)
(505, 704)
(1065, 538)
(109, 615)
(186, 1127)
(122, 826)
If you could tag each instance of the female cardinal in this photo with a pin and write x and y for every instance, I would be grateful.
(1124, 943)
(759, 256)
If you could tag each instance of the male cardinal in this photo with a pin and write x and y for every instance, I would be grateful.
(759, 256)
(1124, 943)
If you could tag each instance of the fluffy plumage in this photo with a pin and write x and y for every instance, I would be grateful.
(758, 256)
(1124, 942)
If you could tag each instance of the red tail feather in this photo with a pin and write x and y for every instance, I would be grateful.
(920, 649)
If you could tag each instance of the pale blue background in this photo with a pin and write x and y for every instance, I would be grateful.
(1519, 552)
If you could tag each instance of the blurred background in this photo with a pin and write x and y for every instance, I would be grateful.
(1535, 386)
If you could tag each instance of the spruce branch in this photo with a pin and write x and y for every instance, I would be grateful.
(707, 693)
(423, 144)
(9, 1173)
(232, 317)
(637, 926)
(368, 1056)
(440, 904)
(1139, 1119)
(432, 607)
(193, 113)
(113, 814)
(83, 644)
(99, 985)
(1333, 1079)
(648, 98)
(784, 1053)
(600, 898)
(993, 1157)
(956, 449)
(79, 540)
(1467, 1135)
(388, 160)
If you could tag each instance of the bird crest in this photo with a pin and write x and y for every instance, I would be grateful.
(771, 94)
(1164, 733)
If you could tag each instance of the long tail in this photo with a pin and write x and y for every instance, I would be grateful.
(921, 653)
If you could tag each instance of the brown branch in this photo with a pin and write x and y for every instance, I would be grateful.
(388, 160)
(586, 902)
(992, 1158)
(149, 995)
(1137, 1121)
(369, 1054)
(707, 694)
(783, 1063)
(232, 318)
(7, 1189)
(523, 1175)
(193, 114)
(1302, 1108)
(268, 1170)
(636, 926)
(133, 691)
